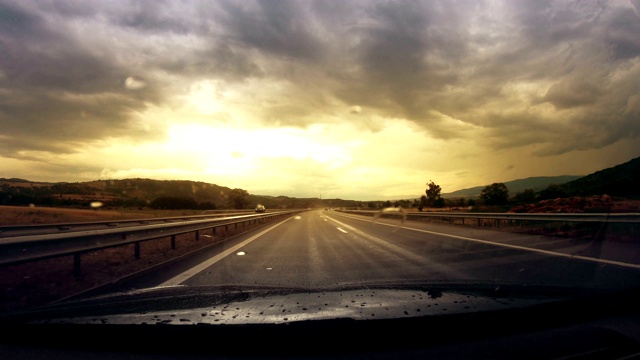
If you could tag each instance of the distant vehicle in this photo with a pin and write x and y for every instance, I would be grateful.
(260, 208)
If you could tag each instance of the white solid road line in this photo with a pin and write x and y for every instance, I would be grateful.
(180, 278)
(516, 247)
(546, 252)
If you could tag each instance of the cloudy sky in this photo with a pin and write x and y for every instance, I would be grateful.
(360, 100)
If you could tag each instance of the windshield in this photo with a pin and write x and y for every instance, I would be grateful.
(308, 146)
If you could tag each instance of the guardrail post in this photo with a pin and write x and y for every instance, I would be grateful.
(173, 242)
(197, 234)
(136, 250)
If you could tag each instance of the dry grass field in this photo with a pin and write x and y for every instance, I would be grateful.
(43, 282)
(23, 215)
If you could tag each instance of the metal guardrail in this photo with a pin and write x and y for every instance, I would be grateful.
(13, 230)
(28, 248)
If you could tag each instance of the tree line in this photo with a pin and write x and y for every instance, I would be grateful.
(495, 194)
(80, 195)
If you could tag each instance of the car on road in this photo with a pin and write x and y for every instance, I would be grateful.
(260, 208)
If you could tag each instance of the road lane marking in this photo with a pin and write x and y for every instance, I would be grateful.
(343, 230)
(397, 250)
(515, 247)
(523, 248)
(180, 278)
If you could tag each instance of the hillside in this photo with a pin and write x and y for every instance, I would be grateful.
(618, 181)
(121, 193)
(516, 186)
(137, 193)
(621, 180)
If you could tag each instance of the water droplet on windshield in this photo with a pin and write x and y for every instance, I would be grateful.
(134, 83)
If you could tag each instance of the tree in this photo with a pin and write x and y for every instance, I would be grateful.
(238, 198)
(527, 196)
(423, 203)
(495, 194)
(553, 191)
(433, 195)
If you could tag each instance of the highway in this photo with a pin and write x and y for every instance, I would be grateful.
(320, 248)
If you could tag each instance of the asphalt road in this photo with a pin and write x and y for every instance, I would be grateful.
(327, 248)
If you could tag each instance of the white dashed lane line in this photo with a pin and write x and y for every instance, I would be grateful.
(344, 231)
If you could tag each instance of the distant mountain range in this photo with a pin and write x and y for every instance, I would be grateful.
(537, 183)
(622, 180)
(138, 192)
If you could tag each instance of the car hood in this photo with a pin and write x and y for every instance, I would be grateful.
(234, 305)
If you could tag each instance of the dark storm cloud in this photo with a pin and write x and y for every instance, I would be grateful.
(404, 54)
(277, 28)
(63, 66)
(573, 92)
(621, 32)
(585, 50)
(56, 94)
(219, 61)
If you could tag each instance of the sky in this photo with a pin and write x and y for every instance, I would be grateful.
(360, 100)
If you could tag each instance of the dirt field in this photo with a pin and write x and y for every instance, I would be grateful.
(23, 215)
